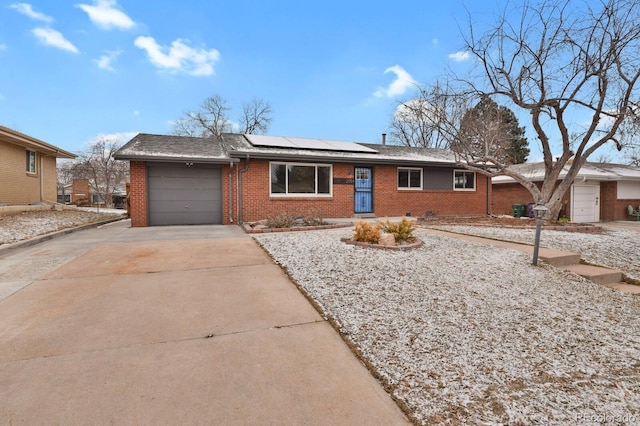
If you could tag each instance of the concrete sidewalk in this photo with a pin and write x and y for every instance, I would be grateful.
(171, 325)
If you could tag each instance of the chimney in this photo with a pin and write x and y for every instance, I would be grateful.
(384, 139)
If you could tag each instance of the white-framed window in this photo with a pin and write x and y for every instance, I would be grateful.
(300, 179)
(31, 162)
(409, 178)
(464, 180)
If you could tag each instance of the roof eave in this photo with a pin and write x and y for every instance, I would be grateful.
(173, 159)
(27, 141)
(330, 159)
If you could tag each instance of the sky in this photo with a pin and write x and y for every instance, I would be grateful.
(74, 71)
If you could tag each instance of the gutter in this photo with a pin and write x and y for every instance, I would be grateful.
(360, 160)
(173, 159)
(240, 195)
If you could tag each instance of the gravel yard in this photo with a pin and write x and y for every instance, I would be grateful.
(467, 333)
(16, 227)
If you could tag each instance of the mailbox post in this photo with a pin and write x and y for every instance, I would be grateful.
(539, 211)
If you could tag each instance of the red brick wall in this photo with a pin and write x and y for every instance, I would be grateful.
(80, 192)
(257, 203)
(225, 195)
(138, 193)
(387, 199)
(620, 209)
(504, 195)
(608, 201)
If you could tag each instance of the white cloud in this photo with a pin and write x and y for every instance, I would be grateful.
(459, 56)
(179, 57)
(27, 10)
(51, 37)
(121, 137)
(3, 46)
(435, 42)
(399, 86)
(106, 15)
(107, 59)
(136, 113)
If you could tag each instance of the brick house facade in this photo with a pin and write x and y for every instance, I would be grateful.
(246, 186)
(27, 168)
(608, 203)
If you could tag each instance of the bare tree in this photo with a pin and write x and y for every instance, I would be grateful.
(574, 67)
(429, 120)
(97, 165)
(64, 176)
(256, 117)
(212, 119)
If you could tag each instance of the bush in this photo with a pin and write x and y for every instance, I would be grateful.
(366, 232)
(402, 231)
(280, 220)
(313, 218)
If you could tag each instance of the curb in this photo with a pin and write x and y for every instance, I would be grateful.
(6, 249)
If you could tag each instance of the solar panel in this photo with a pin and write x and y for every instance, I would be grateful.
(311, 144)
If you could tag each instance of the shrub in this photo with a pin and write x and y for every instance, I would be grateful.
(280, 220)
(366, 232)
(313, 218)
(402, 231)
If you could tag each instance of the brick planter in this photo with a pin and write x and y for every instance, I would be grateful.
(418, 243)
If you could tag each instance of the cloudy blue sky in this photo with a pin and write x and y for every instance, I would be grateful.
(73, 70)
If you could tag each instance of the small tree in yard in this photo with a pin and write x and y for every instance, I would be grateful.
(574, 67)
(104, 174)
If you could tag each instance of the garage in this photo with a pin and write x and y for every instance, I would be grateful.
(184, 194)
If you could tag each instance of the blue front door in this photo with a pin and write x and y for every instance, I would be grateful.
(364, 190)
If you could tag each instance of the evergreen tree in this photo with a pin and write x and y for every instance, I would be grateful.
(492, 130)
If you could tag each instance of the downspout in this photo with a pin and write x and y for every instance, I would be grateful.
(240, 195)
(230, 193)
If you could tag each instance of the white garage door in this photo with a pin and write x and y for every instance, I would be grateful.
(182, 195)
(585, 203)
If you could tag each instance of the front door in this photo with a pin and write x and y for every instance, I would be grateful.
(364, 190)
(585, 203)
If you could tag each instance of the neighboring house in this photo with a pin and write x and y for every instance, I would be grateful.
(27, 168)
(600, 191)
(245, 178)
(80, 193)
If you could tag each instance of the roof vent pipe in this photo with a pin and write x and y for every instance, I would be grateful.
(384, 139)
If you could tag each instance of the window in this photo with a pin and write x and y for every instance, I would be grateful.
(464, 181)
(300, 179)
(409, 178)
(97, 199)
(31, 162)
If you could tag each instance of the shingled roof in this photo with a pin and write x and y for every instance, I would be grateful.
(148, 147)
(233, 147)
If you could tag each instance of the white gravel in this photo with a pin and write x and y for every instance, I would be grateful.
(467, 333)
(23, 226)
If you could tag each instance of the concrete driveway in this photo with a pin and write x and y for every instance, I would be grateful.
(170, 325)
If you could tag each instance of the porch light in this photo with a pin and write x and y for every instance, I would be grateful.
(539, 211)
